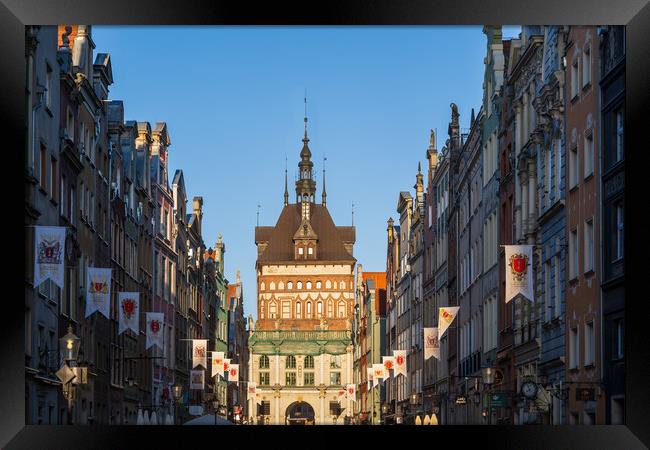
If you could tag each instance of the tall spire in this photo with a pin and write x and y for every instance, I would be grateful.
(305, 139)
(286, 189)
(324, 193)
(305, 185)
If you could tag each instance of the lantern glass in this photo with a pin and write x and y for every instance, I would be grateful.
(177, 391)
(488, 375)
(69, 345)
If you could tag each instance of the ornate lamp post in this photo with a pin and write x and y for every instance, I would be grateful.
(488, 380)
(177, 392)
(69, 345)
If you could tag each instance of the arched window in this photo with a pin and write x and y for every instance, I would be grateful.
(264, 362)
(319, 309)
(309, 285)
(298, 310)
(290, 285)
(263, 286)
(281, 285)
(272, 286)
(273, 310)
(341, 310)
(262, 309)
(328, 284)
(342, 285)
(310, 250)
(330, 309)
(309, 362)
(318, 285)
(309, 310)
(291, 362)
(299, 284)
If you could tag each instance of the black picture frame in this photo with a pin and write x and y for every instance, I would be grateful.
(15, 14)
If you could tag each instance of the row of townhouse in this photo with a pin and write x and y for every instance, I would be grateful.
(105, 179)
(541, 164)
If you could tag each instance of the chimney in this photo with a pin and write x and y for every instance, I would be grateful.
(197, 206)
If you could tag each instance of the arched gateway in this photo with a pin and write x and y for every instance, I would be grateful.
(300, 413)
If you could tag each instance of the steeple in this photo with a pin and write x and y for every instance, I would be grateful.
(305, 185)
(324, 192)
(286, 189)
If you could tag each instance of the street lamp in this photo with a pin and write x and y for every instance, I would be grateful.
(177, 392)
(215, 408)
(70, 345)
(488, 379)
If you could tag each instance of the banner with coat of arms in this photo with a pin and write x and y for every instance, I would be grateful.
(446, 316)
(431, 343)
(155, 323)
(226, 367)
(49, 252)
(129, 311)
(200, 353)
(217, 363)
(98, 291)
(370, 373)
(389, 364)
(519, 274)
(197, 379)
(352, 392)
(378, 371)
(399, 357)
(233, 373)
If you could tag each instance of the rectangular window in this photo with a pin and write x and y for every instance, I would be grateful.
(574, 79)
(73, 203)
(48, 86)
(43, 180)
(335, 362)
(286, 310)
(589, 245)
(590, 344)
(586, 67)
(290, 378)
(309, 378)
(62, 197)
(335, 378)
(556, 285)
(573, 161)
(265, 378)
(588, 154)
(618, 350)
(573, 253)
(547, 293)
(618, 242)
(574, 348)
(620, 129)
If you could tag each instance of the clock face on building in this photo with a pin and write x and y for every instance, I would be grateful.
(529, 389)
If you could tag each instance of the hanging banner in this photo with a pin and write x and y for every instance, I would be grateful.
(197, 379)
(129, 311)
(378, 371)
(389, 364)
(98, 291)
(446, 316)
(519, 273)
(370, 383)
(217, 363)
(252, 390)
(200, 353)
(49, 250)
(226, 366)
(431, 343)
(155, 329)
(233, 373)
(399, 362)
(352, 392)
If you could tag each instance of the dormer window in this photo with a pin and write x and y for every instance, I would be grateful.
(301, 250)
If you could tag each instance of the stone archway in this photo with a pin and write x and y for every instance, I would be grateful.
(300, 413)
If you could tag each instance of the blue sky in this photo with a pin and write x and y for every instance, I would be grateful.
(232, 98)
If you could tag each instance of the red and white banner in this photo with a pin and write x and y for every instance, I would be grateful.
(49, 253)
(200, 353)
(389, 364)
(233, 373)
(400, 362)
(226, 366)
(197, 379)
(446, 316)
(98, 291)
(431, 343)
(352, 392)
(378, 371)
(155, 323)
(370, 377)
(217, 363)
(128, 304)
(252, 390)
(519, 273)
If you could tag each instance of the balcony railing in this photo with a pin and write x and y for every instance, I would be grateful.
(321, 335)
